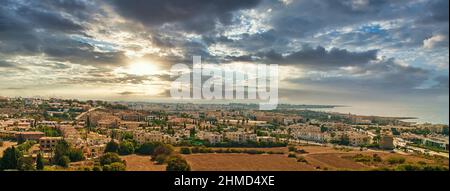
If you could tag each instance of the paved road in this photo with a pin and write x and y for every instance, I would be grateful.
(86, 112)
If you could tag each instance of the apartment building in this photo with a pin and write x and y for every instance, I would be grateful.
(240, 137)
(49, 143)
(358, 139)
(387, 142)
(154, 136)
(29, 136)
(211, 137)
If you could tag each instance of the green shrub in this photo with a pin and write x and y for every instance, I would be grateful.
(160, 159)
(64, 161)
(118, 166)
(292, 155)
(185, 150)
(97, 168)
(147, 148)
(109, 158)
(126, 148)
(162, 150)
(302, 159)
(396, 160)
(377, 158)
(292, 149)
(176, 163)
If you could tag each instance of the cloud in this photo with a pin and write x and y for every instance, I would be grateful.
(435, 41)
(4, 64)
(193, 16)
(320, 58)
(128, 93)
(377, 77)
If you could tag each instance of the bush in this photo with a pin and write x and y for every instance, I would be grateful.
(75, 155)
(25, 164)
(97, 168)
(396, 160)
(376, 158)
(185, 150)
(117, 166)
(176, 163)
(63, 161)
(301, 151)
(302, 159)
(107, 167)
(86, 168)
(292, 155)
(147, 148)
(160, 159)
(292, 149)
(254, 152)
(126, 148)
(362, 158)
(109, 158)
(408, 167)
(434, 168)
(162, 150)
(1, 143)
(112, 147)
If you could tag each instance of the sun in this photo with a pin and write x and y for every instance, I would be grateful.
(140, 68)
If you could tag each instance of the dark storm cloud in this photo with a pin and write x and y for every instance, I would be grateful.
(65, 49)
(198, 15)
(437, 11)
(442, 83)
(40, 19)
(382, 76)
(319, 56)
(315, 58)
(303, 17)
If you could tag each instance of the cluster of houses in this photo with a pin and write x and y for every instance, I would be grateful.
(178, 124)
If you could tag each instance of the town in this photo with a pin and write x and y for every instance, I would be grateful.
(60, 134)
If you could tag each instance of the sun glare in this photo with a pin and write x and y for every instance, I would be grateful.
(139, 68)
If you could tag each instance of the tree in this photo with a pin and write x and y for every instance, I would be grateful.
(109, 158)
(185, 150)
(126, 136)
(61, 151)
(445, 130)
(10, 158)
(64, 161)
(75, 155)
(193, 132)
(176, 163)
(25, 164)
(147, 148)
(345, 140)
(39, 162)
(126, 148)
(162, 150)
(112, 147)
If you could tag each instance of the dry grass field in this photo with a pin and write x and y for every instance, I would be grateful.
(317, 157)
(141, 163)
(244, 162)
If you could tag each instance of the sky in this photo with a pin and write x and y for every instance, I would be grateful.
(376, 54)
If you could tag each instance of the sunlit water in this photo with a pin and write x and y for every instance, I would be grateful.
(422, 113)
